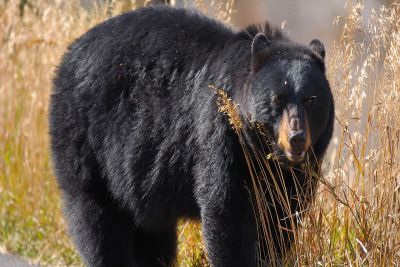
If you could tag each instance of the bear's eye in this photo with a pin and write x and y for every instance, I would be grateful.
(309, 100)
(279, 100)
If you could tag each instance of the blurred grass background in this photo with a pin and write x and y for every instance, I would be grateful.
(355, 219)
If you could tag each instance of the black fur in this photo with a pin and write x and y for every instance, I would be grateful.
(137, 140)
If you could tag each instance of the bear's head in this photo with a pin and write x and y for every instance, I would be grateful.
(289, 95)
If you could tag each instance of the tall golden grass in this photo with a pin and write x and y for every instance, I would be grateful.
(355, 218)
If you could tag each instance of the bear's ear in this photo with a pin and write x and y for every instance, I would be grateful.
(318, 47)
(260, 43)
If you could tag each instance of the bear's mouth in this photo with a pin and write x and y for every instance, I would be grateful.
(295, 156)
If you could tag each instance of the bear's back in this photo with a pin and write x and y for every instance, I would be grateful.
(141, 39)
(148, 55)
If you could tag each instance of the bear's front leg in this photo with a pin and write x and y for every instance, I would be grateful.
(229, 229)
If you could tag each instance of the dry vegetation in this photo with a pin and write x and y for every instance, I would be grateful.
(355, 219)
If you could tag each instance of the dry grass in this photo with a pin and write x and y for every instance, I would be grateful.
(355, 219)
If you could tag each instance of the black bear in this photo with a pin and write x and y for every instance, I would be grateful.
(138, 142)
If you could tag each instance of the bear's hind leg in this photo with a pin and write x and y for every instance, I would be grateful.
(103, 234)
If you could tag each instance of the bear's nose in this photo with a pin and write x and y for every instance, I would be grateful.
(297, 140)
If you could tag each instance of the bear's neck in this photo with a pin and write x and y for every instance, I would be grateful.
(231, 67)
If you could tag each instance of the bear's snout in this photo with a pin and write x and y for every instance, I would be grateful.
(294, 134)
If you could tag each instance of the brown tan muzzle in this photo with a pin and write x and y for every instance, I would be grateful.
(294, 134)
